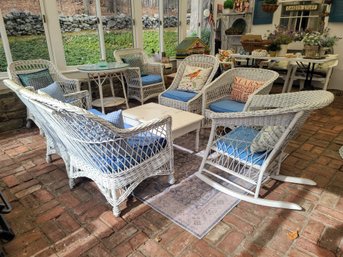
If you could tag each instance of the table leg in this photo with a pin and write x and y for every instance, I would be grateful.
(197, 135)
(111, 84)
(101, 94)
(90, 87)
(311, 76)
(124, 90)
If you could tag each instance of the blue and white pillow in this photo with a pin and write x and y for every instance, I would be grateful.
(116, 118)
(55, 91)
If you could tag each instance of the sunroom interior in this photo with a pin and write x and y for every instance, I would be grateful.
(171, 128)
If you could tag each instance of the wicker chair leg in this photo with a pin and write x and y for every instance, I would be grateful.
(71, 183)
(48, 158)
(171, 179)
(28, 124)
(116, 211)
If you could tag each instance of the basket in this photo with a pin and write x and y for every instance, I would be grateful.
(250, 46)
(269, 8)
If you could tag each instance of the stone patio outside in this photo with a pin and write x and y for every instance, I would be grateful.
(49, 219)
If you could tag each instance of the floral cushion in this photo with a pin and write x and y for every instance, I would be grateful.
(225, 55)
(242, 88)
(194, 78)
(267, 138)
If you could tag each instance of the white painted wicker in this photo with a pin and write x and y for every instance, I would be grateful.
(195, 104)
(133, 74)
(69, 86)
(117, 160)
(228, 156)
(221, 87)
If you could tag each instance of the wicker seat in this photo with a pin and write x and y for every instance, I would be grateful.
(144, 79)
(194, 104)
(245, 149)
(70, 87)
(219, 90)
(117, 160)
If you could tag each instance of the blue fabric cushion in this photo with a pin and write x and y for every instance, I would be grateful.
(151, 79)
(179, 95)
(116, 118)
(237, 143)
(37, 79)
(226, 105)
(55, 91)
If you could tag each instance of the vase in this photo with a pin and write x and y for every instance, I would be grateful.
(283, 50)
(227, 11)
(311, 51)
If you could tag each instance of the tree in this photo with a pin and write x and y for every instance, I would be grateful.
(86, 7)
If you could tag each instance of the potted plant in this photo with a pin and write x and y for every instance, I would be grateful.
(228, 6)
(269, 6)
(327, 42)
(312, 41)
(273, 48)
(282, 37)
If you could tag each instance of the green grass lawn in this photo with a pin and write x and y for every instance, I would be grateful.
(83, 47)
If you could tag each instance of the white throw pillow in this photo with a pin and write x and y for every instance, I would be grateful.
(266, 138)
(194, 78)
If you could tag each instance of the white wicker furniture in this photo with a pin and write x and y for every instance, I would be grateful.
(229, 163)
(182, 122)
(221, 88)
(117, 160)
(195, 104)
(140, 65)
(69, 86)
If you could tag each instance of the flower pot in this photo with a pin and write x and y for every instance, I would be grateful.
(311, 51)
(283, 50)
(227, 11)
(270, 8)
(272, 53)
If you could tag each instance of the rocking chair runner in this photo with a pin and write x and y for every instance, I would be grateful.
(245, 148)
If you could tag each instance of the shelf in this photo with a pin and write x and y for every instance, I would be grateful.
(236, 14)
(234, 35)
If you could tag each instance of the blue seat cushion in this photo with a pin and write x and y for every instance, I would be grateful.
(55, 91)
(37, 79)
(226, 105)
(150, 79)
(237, 143)
(179, 95)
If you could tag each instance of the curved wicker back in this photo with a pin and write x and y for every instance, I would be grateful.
(130, 52)
(28, 66)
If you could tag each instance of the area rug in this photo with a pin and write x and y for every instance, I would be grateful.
(191, 203)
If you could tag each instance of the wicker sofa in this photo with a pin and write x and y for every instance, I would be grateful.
(117, 160)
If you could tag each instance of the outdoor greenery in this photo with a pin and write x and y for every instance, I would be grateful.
(83, 47)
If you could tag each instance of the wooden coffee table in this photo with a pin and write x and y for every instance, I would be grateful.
(182, 122)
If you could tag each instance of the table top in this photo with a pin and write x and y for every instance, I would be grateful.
(102, 67)
(284, 58)
(150, 111)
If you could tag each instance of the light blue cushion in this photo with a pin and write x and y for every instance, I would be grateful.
(237, 143)
(55, 91)
(37, 79)
(179, 95)
(116, 118)
(226, 105)
(151, 79)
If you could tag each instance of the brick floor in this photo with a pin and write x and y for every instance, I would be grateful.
(49, 219)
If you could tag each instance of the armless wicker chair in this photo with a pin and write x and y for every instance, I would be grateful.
(69, 86)
(245, 149)
(117, 160)
(195, 103)
(144, 79)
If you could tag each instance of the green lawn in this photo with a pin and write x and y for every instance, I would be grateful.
(83, 47)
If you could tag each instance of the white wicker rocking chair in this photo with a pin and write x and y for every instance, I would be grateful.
(117, 160)
(140, 69)
(195, 104)
(233, 166)
(70, 87)
(220, 88)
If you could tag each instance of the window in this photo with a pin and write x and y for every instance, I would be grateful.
(3, 61)
(25, 31)
(151, 26)
(117, 24)
(171, 26)
(79, 31)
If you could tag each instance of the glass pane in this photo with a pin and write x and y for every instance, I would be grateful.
(79, 31)
(151, 23)
(117, 20)
(192, 18)
(25, 32)
(171, 26)
(3, 62)
(205, 22)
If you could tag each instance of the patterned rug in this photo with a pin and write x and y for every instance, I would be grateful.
(190, 203)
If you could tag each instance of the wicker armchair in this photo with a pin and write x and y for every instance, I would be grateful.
(194, 104)
(117, 160)
(70, 87)
(144, 79)
(245, 149)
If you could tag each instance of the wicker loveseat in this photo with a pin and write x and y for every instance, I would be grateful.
(117, 160)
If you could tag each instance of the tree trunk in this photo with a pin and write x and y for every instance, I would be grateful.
(86, 7)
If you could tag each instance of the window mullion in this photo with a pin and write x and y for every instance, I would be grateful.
(161, 29)
(100, 30)
(4, 38)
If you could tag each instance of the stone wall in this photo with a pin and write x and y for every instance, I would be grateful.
(26, 23)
